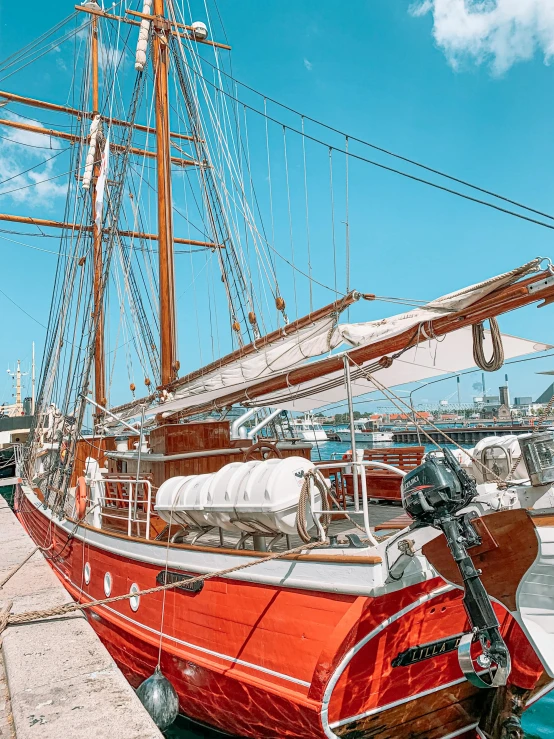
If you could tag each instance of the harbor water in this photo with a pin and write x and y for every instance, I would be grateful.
(538, 720)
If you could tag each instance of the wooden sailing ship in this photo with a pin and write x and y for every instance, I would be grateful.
(355, 638)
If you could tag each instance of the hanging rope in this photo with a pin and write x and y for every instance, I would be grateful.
(347, 225)
(307, 216)
(497, 358)
(303, 501)
(290, 218)
(333, 216)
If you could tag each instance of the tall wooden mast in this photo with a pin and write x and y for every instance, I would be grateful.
(99, 358)
(160, 49)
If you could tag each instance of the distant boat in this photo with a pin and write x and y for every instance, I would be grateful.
(364, 432)
(308, 430)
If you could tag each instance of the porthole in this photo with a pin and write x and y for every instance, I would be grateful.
(107, 584)
(134, 601)
(87, 573)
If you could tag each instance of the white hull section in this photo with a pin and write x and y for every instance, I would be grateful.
(535, 600)
(369, 437)
(313, 435)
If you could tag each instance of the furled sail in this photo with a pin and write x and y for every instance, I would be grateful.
(273, 375)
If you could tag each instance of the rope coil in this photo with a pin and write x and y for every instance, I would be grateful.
(304, 499)
(497, 358)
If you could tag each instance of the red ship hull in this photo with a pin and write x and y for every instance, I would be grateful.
(267, 661)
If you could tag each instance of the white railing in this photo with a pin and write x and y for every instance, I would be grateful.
(124, 500)
(357, 469)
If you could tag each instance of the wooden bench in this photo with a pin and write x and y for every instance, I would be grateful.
(385, 484)
(398, 523)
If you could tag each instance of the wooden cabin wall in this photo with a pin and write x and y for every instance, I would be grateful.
(178, 438)
(198, 436)
(95, 447)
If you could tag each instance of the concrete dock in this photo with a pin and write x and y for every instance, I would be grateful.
(57, 680)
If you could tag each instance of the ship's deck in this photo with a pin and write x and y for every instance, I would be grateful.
(380, 515)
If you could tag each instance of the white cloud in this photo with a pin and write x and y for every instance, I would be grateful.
(308, 65)
(20, 150)
(499, 32)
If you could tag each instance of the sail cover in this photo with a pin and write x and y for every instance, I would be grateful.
(431, 357)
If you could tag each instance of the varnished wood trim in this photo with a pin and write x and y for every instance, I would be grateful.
(313, 557)
(542, 519)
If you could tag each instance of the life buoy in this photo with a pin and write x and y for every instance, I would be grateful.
(347, 456)
(81, 498)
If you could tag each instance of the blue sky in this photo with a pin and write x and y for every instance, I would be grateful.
(458, 92)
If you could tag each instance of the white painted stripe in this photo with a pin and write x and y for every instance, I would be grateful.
(234, 660)
(204, 650)
(380, 709)
(356, 648)
(462, 731)
(537, 696)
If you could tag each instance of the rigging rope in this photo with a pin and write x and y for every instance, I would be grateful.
(409, 176)
(307, 216)
(290, 218)
(375, 147)
(333, 217)
(415, 416)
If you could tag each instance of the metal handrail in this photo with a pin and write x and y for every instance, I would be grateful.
(359, 463)
(132, 502)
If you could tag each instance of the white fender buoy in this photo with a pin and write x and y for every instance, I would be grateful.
(160, 699)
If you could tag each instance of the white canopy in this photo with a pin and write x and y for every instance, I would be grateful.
(433, 358)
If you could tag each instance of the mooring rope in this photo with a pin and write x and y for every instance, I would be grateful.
(20, 618)
(16, 569)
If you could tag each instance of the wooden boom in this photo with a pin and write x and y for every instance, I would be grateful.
(188, 37)
(74, 138)
(33, 103)
(499, 301)
(336, 307)
(45, 223)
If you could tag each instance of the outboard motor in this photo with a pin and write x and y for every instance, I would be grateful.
(433, 494)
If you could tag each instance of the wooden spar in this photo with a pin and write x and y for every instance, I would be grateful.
(74, 138)
(500, 301)
(160, 60)
(83, 114)
(189, 37)
(336, 307)
(97, 255)
(45, 223)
